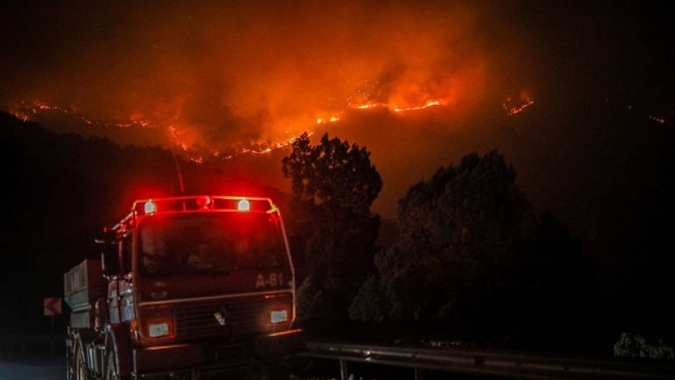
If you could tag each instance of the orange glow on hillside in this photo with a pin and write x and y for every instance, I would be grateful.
(185, 139)
(243, 78)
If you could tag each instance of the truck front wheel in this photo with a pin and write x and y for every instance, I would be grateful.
(111, 369)
(81, 370)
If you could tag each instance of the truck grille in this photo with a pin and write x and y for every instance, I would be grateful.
(226, 317)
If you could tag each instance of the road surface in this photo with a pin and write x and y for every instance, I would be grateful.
(52, 368)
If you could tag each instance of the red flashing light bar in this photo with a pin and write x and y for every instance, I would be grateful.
(203, 202)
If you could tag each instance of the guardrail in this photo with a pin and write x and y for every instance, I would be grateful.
(492, 363)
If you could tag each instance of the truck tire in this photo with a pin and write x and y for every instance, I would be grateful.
(81, 370)
(70, 370)
(111, 369)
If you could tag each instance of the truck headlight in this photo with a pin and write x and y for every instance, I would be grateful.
(158, 322)
(278, 316)
(159, 329)
(279, 311)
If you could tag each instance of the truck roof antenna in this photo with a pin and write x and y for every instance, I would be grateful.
(178, 172)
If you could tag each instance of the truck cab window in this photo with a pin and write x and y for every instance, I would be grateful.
(209, 243)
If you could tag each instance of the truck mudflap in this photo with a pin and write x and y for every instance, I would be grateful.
(213, 357)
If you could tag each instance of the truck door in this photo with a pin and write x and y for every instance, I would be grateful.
(120, 297)
(125, 289)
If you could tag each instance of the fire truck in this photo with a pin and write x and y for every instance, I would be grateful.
(185, 288)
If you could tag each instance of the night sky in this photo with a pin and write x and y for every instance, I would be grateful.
(418, 83)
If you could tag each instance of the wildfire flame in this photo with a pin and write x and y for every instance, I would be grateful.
(181, 138)
(217, 81)
(177, 135)
(180, 141)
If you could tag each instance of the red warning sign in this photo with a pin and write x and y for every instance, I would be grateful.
(53, 306)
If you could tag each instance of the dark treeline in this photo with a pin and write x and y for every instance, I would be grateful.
(59, 191)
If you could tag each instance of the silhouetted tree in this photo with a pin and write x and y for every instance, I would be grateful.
(472, 260)
(332, 174)
(334, 185)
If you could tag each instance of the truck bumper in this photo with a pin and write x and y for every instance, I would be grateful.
(213, 356)
(279, 344)
(167, 359)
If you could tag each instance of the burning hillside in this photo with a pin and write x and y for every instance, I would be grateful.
(222, 79)
(184, 141)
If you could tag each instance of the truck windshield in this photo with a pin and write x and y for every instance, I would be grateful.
(203, 243)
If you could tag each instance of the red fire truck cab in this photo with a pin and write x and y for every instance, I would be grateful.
(185, 287)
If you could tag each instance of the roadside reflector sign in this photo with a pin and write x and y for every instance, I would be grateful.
(53, 306)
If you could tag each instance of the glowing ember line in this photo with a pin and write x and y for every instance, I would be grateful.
(658, 119)
(368, 106)
(419, 108)
(512, 109)
(24, 111)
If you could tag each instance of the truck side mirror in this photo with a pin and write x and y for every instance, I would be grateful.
(110, 260)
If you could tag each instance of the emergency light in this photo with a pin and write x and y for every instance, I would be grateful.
(150, 207)
(201, 203)
(244, 205)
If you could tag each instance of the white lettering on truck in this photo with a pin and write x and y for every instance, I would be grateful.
(273, 279)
